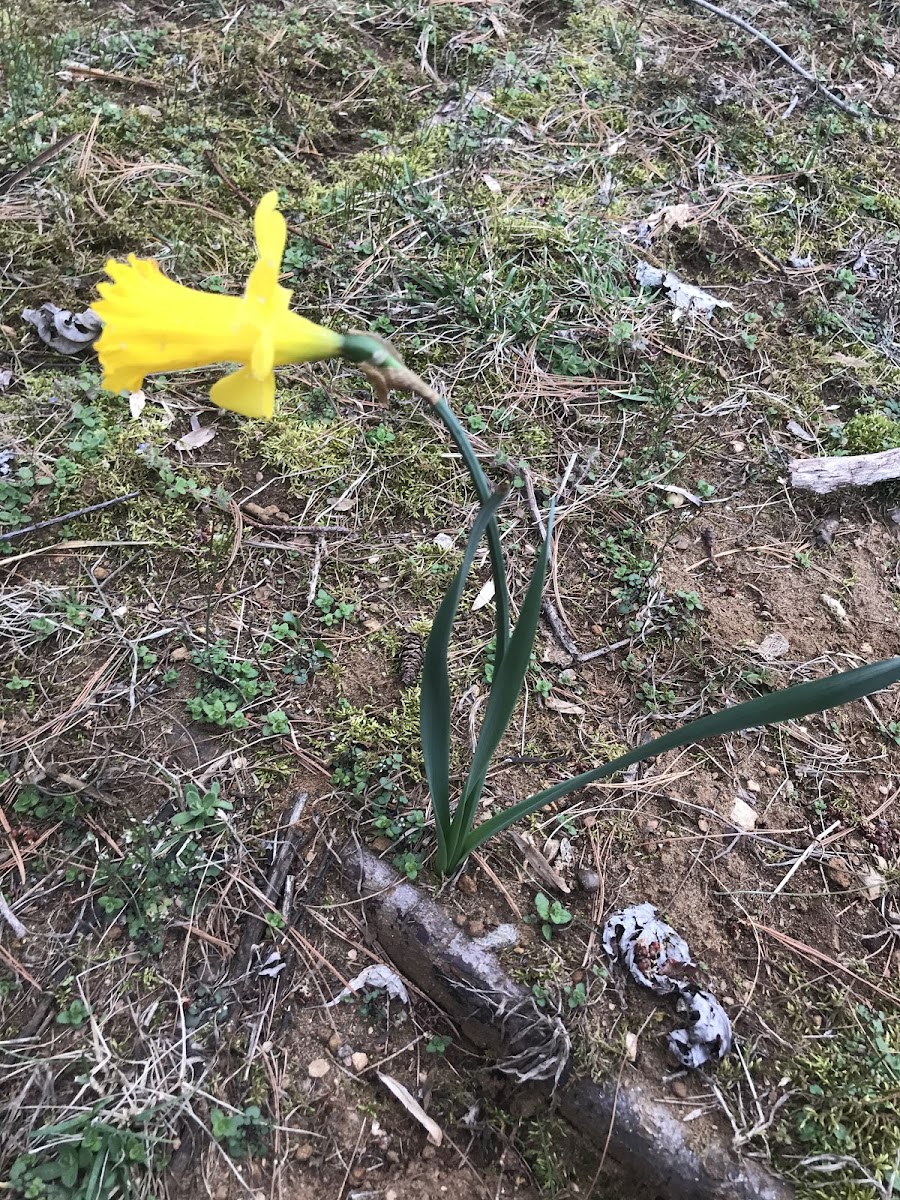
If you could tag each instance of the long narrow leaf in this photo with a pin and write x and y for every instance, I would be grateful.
(788, 705)
(505, 690)
(434, 714)
(483, 487)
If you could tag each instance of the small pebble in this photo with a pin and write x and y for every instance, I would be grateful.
(703, 825)
(771, 769)
(679, 1088)
(865, 648)
(597, 630)
(359, 1061)
(428, 1152)
(304, 1153)
(100, 573)
(589, 879)
(335, 1042)
(180, 654)
(318, 1068)
(752, 786)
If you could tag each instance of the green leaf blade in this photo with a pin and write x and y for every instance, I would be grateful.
(434, 693)
(495, 547)
(791, 704)
(505, 691)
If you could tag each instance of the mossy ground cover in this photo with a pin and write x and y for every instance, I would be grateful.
(478, 184)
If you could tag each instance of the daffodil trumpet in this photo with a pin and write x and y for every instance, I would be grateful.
(152, 324)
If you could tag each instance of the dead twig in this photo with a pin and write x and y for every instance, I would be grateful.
(843, 105)
(8, 182)
(14, 965)
(548, 608)
(604, 650)
(69, 516)
(819, 956)
(18, 929)
(281, 865)
(78, 70)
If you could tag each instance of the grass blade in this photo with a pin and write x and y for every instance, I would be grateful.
(505, 691)
(435, 714)
(495, 548)
(788, 705)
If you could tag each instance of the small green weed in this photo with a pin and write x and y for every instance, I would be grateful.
(175, 486)
(163, 868)
(74, 1014)
(409, 863)
(203, 809)
(331, 611)
(242, 1133)
(146, 659)
(218, 706)
(83, 1158)
(237, 683)
(16, 683)
(41, 805)
(552, 915)
(276, 724)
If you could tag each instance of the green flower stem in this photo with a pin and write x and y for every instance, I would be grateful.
(362, 348)
(495, 546)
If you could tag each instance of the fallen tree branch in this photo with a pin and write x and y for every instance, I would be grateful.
(843, 105)
(823, 475)
(666, 1157)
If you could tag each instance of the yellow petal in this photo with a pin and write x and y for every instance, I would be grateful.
(240, 392)
(270, 229)
(263, 359)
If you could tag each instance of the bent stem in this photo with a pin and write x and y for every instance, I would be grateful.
(385, 370)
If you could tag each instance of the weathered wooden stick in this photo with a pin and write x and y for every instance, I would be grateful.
(824, 475)
(670, 1160)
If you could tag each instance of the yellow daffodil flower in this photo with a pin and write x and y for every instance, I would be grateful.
(151, 324)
